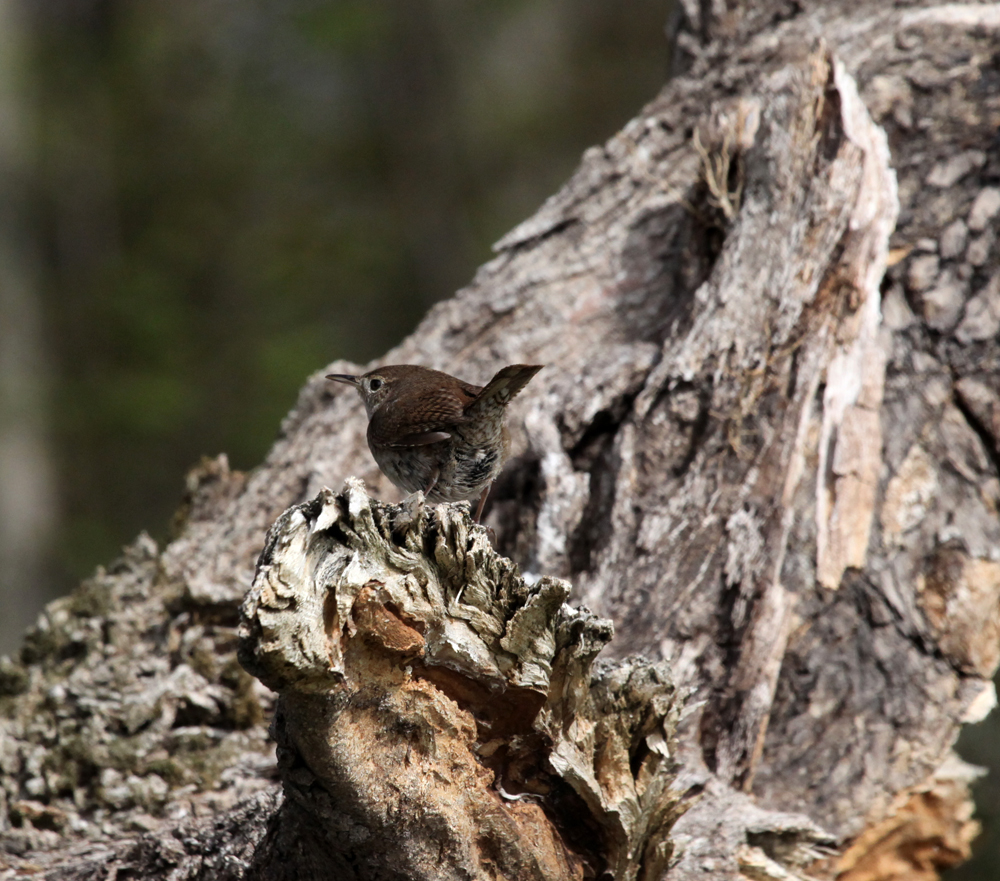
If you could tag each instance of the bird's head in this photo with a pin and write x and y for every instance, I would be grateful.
(373, 387)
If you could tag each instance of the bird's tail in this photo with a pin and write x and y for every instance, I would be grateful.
(507, 383)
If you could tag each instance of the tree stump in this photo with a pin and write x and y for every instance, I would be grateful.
(766, 445)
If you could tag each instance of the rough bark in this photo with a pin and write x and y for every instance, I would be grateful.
(766, 445)
(436, 701)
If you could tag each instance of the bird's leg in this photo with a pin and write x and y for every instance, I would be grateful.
(482, 503)
(433, 482)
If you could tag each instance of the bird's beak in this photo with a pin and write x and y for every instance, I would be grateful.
(343, 377)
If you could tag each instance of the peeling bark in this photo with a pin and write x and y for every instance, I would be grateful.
(766, 446)
(437, 715)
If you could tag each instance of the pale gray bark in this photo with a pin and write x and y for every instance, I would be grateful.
(766, 444)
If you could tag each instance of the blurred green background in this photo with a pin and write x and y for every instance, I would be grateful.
(203, 202)
(220, 198)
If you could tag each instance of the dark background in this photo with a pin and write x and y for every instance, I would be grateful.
(206, 201)
(223, 197)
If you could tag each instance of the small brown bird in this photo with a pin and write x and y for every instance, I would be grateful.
(430, 431)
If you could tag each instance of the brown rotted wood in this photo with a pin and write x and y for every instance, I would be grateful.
(765, 444)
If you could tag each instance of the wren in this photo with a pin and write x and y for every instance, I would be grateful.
(432, 432)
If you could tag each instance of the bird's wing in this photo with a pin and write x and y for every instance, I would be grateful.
(421, 438)
(441, 410)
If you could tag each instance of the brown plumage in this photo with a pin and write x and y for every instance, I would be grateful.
(432, 432)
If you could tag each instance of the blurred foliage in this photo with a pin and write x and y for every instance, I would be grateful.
(229, 196)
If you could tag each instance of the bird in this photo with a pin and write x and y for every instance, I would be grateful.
(429, 431)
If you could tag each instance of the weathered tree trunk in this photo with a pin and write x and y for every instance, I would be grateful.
(432, 702)
(766, 444)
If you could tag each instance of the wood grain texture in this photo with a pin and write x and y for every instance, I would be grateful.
(765, 443)
(448, 710)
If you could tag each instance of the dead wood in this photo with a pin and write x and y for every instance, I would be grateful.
(766, 446)
(431, 702)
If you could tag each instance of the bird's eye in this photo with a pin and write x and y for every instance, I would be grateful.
(375, 384)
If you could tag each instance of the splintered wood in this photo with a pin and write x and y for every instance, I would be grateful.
(447, 710)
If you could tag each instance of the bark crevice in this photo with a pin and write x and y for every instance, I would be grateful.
(764, 445)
